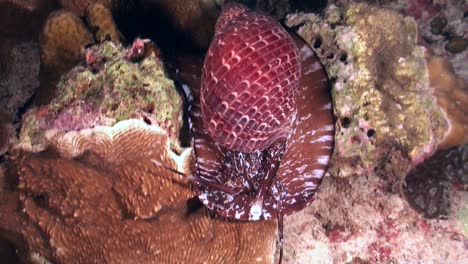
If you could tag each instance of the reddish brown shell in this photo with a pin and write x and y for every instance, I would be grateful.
(303, 164)
(249, 78)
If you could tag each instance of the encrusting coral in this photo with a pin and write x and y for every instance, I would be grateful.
(109, 194)
(110, 89)
(390, 118)
(383, 89)
(63, 40)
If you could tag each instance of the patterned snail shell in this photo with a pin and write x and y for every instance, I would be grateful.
(231, 167)
(250, 75)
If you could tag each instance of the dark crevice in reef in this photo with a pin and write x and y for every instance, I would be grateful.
(429, 186)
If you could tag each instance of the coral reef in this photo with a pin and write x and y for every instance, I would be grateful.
(382, 89)
(396, 103)
(109, 194)
(391, 115)
(62, 40)
(110, 89)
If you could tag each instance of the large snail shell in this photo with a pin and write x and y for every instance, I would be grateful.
(250, 76)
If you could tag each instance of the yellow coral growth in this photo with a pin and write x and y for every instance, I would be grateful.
(63, 39)
(100, 17)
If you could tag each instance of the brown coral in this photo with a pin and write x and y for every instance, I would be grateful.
(451, 93)
(99, 17)
(63, 39)
(83, 200)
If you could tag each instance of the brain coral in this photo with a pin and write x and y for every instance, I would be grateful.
(97, 195)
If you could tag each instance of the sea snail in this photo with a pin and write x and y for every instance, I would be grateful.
(262, 119)
(266, 122)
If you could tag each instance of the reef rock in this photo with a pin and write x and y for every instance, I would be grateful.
(396, 105)
(19, 73)
(386, 98)
(109, 89)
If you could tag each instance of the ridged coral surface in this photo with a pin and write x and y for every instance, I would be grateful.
(107, 195)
